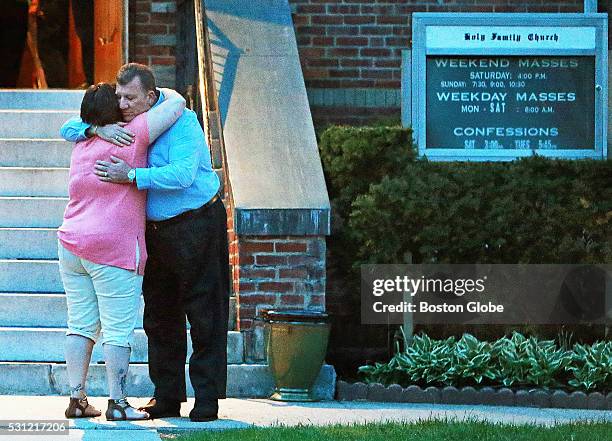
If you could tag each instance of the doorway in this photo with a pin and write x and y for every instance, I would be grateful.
(66, 44)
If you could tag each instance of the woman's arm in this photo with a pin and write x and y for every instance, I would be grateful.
(162, 116)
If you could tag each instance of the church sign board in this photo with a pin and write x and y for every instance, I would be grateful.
(502, 86)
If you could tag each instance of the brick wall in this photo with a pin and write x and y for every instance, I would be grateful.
(280, 272)
(356, 44)
(275, 272)
(152, 32)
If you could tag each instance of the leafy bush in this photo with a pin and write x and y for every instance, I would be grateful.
(430, 360)
(592, 366)
(355, 157)
(390, 207)
(513, 360)
(510, 361)
(529, 211)
(530, 361)
(473, 359)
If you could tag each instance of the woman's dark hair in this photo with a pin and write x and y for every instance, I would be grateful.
(100, 105)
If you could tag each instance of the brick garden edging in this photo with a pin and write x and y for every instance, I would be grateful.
(469, 395)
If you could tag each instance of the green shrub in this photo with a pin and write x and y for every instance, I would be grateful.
(530, 361)
(389, 207)
(529, 211)
(592, 366)
(353, 159)
(426, 361)
(356, 157)
(473, 360)
(515, 361)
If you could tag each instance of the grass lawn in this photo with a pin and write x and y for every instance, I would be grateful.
(422, 431)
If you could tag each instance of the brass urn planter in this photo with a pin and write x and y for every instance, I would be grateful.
(296, 346)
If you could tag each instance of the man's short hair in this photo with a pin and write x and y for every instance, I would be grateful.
(129, 71)
(99, 105)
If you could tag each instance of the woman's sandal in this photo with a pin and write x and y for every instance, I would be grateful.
(121, 406)
(80, 408)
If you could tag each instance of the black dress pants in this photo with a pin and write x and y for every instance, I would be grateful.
(187, 272)
(83, 11)
(13, 31)
(53, 42)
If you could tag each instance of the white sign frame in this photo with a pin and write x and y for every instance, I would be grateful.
(589, 36)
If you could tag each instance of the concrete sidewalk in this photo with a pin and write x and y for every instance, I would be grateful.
(240, 413)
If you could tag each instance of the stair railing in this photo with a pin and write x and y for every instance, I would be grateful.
(208, 96)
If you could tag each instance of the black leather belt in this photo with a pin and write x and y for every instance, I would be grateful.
(155, 225)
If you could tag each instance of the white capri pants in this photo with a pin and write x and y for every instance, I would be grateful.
(100, 297)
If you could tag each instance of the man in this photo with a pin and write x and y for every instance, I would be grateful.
(187, 271)
(13, 31)
(83, 13)
(52, 25)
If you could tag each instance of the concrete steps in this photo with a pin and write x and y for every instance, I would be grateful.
(17, 99)
(35, 153)
(30, 276)
(32, 212)
(35, 344)
(37, 124)
(28, 243)
(34, 181)
(16, 310)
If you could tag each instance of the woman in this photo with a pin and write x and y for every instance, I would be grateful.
(102, 251)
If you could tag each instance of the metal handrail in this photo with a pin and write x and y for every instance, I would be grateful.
(206, 84)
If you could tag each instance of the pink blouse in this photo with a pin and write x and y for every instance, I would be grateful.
(105, 222)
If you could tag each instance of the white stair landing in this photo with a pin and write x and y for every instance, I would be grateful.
(30, 276)
(29, 123)
(32, 212)
(60, 99)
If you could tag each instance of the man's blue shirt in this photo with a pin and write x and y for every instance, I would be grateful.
(180, 175)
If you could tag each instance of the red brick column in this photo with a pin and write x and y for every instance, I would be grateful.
(280, 272)
(152, 32)
(272, 272)
(276, 272)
